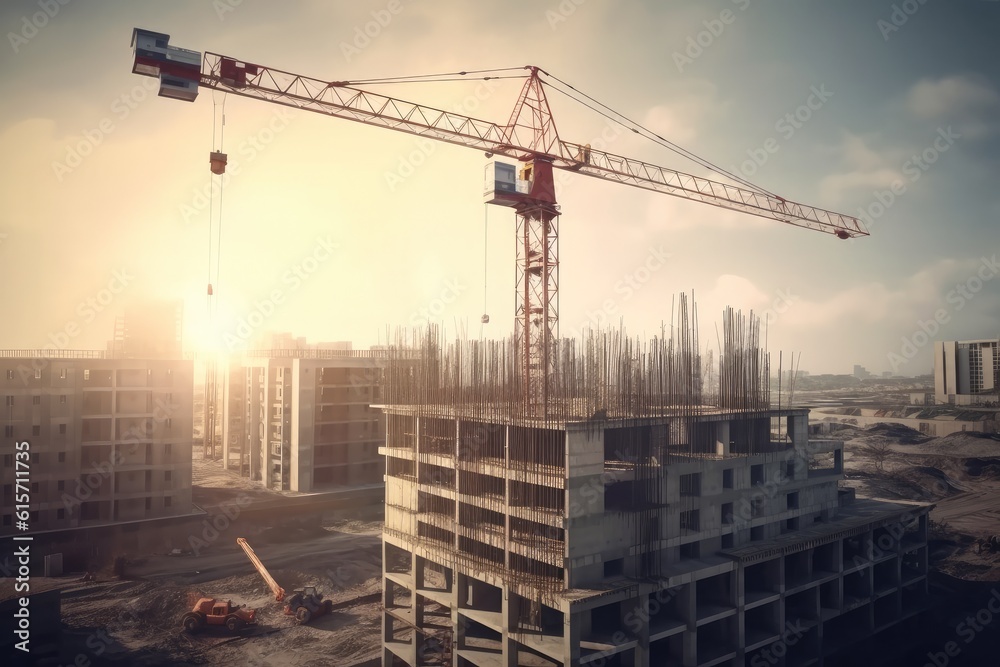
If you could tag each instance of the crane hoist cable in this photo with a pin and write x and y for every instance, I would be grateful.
(485, 319)
(218, 161)
(222, 183)
(628, 123)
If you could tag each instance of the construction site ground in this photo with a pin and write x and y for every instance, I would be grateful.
(141, 613)
(341, 555)
(959, 473)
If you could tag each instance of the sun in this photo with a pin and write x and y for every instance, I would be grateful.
(203, 334)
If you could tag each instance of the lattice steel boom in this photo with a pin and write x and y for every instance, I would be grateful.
(529, 136)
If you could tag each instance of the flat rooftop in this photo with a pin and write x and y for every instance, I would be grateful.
(562, 414)
(850, 518)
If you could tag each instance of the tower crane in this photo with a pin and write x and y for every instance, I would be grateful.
(529, 136)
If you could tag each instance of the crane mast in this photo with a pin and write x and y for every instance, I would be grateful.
(529, 137)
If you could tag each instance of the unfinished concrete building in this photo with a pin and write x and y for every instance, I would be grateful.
(300, 419)
(631, 520)
(109, 439)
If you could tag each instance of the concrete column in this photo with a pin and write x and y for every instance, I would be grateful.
(572, 636)
(688, 604)
(722, 438)
(506, 495)
(417, 570)
(642, 648)
(798, 431)
(508, 644)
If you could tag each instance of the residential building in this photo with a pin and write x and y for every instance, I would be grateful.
(108, 439)
(519, 561)
(967, 372)
(300, 419)
(622, 521)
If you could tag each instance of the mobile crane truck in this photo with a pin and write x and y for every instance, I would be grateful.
(305, 603)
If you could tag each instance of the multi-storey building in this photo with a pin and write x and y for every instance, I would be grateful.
(300, 419)
(624, 518)
(109, 439)
(966, 372)
(508, 544)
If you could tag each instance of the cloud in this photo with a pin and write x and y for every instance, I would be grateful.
(921, 294)
(971, 103)
(867, 320)
(692, 105)
(666, 213)
(865, 168)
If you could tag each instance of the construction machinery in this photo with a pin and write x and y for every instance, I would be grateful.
(529, 137)
(209, 612)
(304, 604)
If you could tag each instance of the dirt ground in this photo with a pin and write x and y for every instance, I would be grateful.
(142, 613)
(959, 473)
(211, 484)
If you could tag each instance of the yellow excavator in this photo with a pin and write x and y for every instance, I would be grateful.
(304, 604)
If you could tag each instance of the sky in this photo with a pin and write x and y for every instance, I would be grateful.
(333, 230)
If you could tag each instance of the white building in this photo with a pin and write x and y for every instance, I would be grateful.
(966, 372)
(300, 419)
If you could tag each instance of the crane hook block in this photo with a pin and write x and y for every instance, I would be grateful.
(218, 162)
(210, 289)
(485, 319)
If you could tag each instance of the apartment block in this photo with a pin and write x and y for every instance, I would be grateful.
(109, 439)
(627, 513)
(967, 372)
(300, 419)
(696, 541)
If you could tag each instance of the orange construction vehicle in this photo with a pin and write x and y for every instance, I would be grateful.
(304, 604)
(212, 612)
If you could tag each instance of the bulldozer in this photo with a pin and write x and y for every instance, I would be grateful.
(304, 604)
(211, 612)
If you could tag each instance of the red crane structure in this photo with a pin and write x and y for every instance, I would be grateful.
(529, 136)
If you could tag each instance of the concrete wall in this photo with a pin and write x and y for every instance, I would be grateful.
(96, 427)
